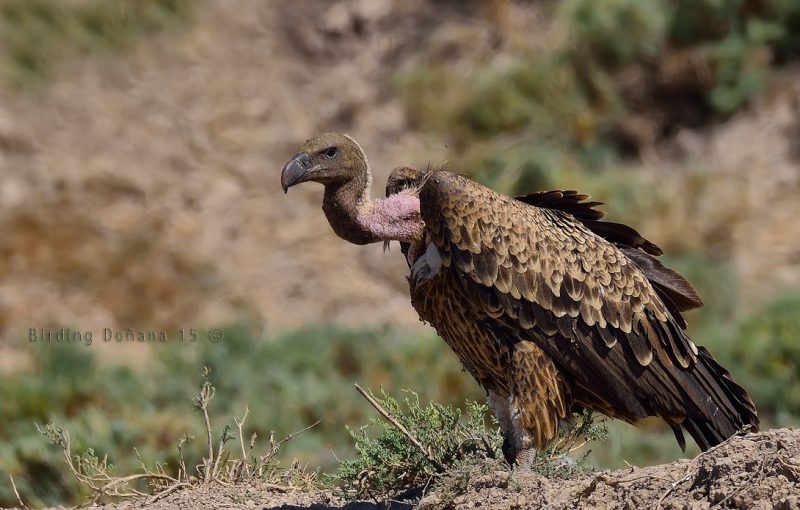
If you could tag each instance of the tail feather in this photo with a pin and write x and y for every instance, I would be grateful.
(726, 408)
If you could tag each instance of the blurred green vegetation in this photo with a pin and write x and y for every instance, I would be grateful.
(765, 348)
(629, 73)
(289, 381)
(36, 34)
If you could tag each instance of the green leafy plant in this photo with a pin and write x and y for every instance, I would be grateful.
(417, 447)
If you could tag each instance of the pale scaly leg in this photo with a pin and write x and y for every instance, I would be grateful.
(518, 446)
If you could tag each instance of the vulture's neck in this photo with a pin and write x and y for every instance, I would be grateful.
(358, 219)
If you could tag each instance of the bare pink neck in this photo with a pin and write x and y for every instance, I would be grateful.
(395, 218)
(357, 219)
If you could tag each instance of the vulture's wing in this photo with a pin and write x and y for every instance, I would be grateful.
(541, 274)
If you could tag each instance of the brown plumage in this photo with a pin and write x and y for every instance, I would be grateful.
(551, 309)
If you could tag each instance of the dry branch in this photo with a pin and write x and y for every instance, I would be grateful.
(374, 403)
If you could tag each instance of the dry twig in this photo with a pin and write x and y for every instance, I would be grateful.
(239, 425)
(16, 493)
(374, 403)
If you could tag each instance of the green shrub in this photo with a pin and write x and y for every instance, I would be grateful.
(391, 464)
(418, 446)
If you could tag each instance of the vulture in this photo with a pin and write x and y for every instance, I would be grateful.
(549, 308)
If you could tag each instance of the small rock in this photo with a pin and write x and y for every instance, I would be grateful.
(337, 19)
(429, 501)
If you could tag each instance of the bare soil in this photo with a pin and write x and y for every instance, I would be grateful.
(756, 471)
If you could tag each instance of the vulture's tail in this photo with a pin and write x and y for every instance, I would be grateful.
(726, 408)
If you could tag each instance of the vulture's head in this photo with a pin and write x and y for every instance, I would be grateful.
(337, 161)
(329, 159)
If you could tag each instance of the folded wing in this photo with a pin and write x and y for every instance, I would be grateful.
(546, 270)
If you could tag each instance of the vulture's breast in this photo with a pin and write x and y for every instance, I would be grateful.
(437, 296)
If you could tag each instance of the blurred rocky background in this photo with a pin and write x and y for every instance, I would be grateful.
(141, 143)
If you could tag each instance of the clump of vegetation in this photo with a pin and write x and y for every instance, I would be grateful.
(222, 464)
(415, 446)
(35, 34)
(420, 447)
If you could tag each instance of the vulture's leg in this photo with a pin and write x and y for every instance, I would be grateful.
(539, 401)
(512, 440)
(518, 443)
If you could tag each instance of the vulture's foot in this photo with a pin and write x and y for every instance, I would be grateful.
(519, 451)
(426, 266)
(525, 459)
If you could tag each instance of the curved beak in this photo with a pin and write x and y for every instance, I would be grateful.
(295, 171)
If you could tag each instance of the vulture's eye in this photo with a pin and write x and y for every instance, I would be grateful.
(330, 152)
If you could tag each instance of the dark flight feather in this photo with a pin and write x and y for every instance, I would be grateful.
(665, 280)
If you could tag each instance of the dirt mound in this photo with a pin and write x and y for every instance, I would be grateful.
(756, 471)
